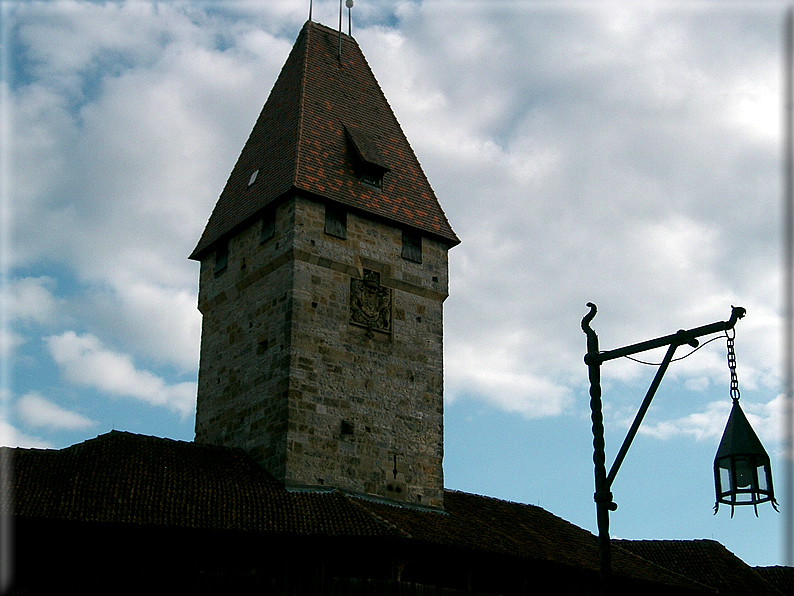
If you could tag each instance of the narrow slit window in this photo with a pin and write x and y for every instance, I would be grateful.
(268, 226)
(221, 257)
(252, 179)
(412, 246)
(335, 221)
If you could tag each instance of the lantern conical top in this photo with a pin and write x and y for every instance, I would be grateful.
(742, 472)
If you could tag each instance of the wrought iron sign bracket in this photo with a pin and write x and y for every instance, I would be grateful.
(593, 359)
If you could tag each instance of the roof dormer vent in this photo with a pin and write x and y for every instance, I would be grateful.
(367, 159)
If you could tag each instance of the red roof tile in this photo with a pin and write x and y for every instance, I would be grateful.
(299, 144)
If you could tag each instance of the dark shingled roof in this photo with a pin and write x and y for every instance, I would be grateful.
(300, 143)
(127, 478)
(780, 577)
(705, 561)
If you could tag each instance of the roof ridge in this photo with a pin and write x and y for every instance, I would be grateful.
(378, 518)
(301, 107)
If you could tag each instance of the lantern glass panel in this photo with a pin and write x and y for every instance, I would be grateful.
(725, 478)
(761, 473)
(744, 497)
(744, 472)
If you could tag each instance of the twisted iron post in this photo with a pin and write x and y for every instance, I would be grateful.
(603, 496)
(593, 359)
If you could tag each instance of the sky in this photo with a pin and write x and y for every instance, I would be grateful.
(626, 154)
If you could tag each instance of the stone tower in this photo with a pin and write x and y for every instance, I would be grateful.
(323, 275)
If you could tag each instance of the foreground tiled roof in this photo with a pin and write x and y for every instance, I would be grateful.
(487, 524)
(299, 143)
(705, 561)
(780, 577)
(127, 478)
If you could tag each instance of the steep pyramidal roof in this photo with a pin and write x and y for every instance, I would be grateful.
(322, 115)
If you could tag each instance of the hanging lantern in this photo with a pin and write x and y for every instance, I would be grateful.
(742, 472)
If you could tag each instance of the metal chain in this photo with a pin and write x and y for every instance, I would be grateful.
(735, 395)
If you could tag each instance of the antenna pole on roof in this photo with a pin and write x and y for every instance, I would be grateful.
(340, 31)
(310, 10)
(349, 4)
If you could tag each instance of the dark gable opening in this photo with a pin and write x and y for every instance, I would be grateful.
(368, 162)
(221, 256)
(336, 221)
(412, 246)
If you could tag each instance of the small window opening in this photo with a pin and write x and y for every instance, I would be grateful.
(221, 257)
(412, 246)
(268, 226)
(368, 162)
(252, 179)
(347, 428)
(372, 178)
(335, 221)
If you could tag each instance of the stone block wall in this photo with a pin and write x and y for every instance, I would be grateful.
(245, 344)
(347, 389)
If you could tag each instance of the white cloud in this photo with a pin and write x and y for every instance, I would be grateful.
(30, 299)
(591, 155)
(494, 373)
(765, 418)
(36, 411)
(160, 321)
(12, 437)
(22, 301)
(85, 361)
(601, 154)
(9, 342)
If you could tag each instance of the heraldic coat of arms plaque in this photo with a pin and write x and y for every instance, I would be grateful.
(370, 302)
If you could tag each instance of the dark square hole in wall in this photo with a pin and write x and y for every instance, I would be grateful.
(347, 428)
(268, 230)
(221, 257)
(412, 246)
(336, 221)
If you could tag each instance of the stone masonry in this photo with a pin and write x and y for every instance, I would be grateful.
(322, 356)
